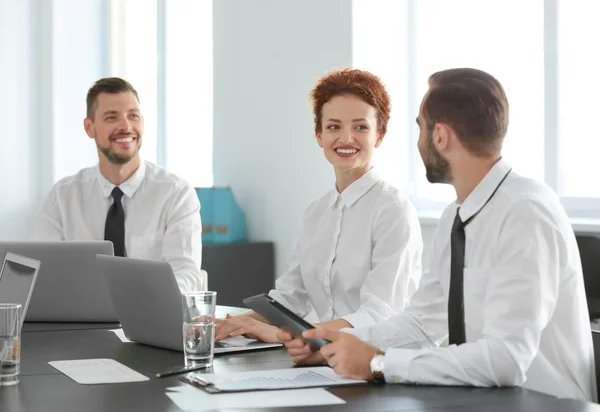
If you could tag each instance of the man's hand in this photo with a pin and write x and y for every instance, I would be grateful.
(245, 325)
(299, 350)
(346, 354)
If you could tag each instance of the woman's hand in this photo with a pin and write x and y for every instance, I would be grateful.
(244, 325)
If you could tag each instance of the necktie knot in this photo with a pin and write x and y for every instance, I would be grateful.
(117, 194)
(458, 224)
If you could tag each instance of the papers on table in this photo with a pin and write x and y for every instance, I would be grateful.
(188, 398)
(91, 371)
(269, 379)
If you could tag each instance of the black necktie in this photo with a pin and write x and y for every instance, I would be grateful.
(456, 302)
(115, 223)
(456, 306)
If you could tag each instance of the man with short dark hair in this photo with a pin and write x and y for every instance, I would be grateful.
(504, 282)
(145, 211)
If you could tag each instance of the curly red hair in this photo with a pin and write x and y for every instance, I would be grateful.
(359, 83)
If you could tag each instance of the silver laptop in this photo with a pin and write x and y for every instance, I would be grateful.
(17, 280)
(69, 287)
(148, 301)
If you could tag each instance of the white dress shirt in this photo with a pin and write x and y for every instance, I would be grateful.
(358, 256)
(162, 217)
(526, 316)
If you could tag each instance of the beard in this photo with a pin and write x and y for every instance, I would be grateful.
(436, 167)
(114, 157)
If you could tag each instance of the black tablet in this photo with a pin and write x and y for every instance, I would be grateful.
(282, 317)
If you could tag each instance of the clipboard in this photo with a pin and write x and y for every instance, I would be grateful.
(277, 379)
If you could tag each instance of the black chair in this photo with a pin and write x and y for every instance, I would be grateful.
(596, 339)
(589, 250)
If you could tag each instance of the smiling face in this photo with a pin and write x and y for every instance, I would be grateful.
(117, 126)
(349, 133)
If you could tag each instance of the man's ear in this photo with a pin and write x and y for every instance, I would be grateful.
(441, 136)
(88, 125)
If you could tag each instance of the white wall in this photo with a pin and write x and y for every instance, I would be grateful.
(267, 56)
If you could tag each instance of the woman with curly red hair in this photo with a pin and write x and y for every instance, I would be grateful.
(357, 260)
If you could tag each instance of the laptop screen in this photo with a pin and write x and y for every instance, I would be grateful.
(17, 278)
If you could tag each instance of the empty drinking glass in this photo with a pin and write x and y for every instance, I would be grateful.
(199, 327)
(10, 343)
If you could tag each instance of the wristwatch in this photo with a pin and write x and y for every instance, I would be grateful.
(377, 367)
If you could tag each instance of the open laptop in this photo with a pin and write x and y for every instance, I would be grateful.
(18, 275)
(148, 301)
(69, 287)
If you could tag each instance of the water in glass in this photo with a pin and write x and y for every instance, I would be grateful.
(198, 343)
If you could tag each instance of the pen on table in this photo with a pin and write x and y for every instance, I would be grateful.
(176, 371)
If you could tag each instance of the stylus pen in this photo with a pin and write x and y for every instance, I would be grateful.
(176, 371)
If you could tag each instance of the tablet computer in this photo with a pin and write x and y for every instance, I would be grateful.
(282, 317)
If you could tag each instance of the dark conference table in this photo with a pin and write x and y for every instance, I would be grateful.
(43, 388)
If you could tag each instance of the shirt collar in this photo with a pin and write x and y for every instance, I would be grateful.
(129, 187)
(482, 192)
(356, 190)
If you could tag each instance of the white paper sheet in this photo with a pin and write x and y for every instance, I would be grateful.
(92, 371)
(191, 399)
(120, 334)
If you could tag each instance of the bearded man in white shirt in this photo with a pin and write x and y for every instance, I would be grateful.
(504, 282)
(147, 212)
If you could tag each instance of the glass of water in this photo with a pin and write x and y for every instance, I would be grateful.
(10, 343)
(199, 327)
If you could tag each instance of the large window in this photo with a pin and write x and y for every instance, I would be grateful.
(541, 51)
(164, 48)
(578, 103)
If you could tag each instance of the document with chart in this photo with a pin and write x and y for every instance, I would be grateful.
(292, 378)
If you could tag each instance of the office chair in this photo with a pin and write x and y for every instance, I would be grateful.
(589, 251)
